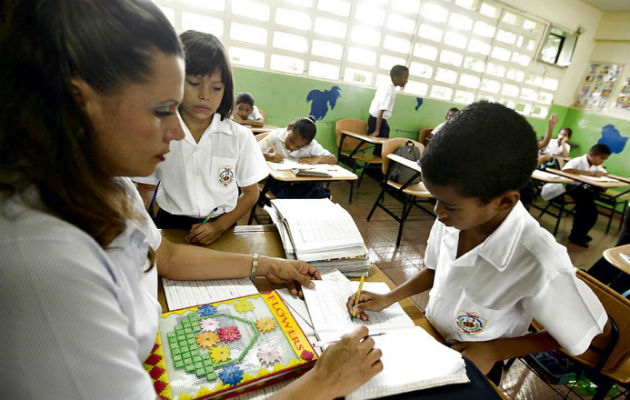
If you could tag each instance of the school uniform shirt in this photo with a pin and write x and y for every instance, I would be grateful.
(197, 177)
(518, 273)
(255, 115)
(79, 320)
(438, 128)
(552, 190)
(383, 100)
(277, 139)
(555, 149)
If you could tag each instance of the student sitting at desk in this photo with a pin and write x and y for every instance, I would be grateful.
(490, 267)
(296, 142)
(559, 146)
(198, 183)
(246, 113)
(80, 256)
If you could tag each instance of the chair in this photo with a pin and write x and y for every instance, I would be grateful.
(607, 361)
(609, 201)
(405, 192)
(562, 203)
(264, 115)
(425, 135)
(352, 151)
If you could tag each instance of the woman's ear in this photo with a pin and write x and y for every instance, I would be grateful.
(85, 97)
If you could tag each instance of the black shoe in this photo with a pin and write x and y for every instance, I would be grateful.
(583, 242)
(588, 238)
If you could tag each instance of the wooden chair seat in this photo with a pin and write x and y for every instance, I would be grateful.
(417, 190)
(365, 157)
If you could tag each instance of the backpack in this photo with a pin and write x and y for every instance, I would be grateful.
(400, 173)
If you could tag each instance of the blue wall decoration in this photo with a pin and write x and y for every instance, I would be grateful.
(613, 139)
(419, 101)
(320, 100)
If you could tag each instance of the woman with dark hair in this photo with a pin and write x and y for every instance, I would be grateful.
(89, 94)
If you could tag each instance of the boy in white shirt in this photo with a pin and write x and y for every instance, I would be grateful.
(559, 146)
(490, 267)
(382, 104)
(246, 113)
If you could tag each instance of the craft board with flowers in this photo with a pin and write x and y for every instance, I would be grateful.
(225, 348)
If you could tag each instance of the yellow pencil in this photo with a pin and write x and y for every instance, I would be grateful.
(356, 299)
(274, 149)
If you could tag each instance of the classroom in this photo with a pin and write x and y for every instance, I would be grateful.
(308, 183)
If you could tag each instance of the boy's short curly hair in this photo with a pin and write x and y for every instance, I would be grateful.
(245, 98)
(600, 149)
(484, 150)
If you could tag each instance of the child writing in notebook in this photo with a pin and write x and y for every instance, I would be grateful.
(200, 178)
(297, 143)
(490, 267)
(246, 113)
(80, 255)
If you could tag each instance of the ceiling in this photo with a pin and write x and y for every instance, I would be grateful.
(610, 5)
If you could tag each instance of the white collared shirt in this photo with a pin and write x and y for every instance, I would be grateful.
(277, 139)
(555, 149)
(197, 177)
(255, 115)
(582, 164)
(383, 100)
(75, 315)
(517, 274)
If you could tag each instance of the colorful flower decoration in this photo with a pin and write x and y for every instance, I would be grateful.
(220, 354)
(209, 324)
(231, 375)
(229, 334)
(206, 310)
(266, 324)
(243, 306)
(268, 354)
(207, 339)
(307, 355)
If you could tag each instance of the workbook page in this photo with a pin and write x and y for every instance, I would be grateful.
(331, 319)
(182, 294)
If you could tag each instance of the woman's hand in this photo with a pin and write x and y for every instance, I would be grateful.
(368, 301)
(480, 353)
(204, 234)
(291, 273)
(348, 364)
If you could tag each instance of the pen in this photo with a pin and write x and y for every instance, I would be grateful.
(209, 215)
(356, 299)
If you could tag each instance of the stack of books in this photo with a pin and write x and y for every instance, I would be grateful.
(321, 233)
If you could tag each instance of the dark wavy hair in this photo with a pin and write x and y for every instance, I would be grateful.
(46, 141)
(205, 55)
(484, 150)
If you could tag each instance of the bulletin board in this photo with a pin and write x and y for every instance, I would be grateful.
(597, 86)
(623, 101)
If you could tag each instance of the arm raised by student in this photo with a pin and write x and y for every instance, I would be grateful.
(205, 234)
(343, 367)
(186, 262)
(551, 123)
(369, 301)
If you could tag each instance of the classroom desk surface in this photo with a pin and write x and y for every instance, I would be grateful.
(613, 256)
(587, 179)
(549, 177)
(620, 178)
(404, 161)
(263, 129)
(365, 138)
(264, 240)
(338, 173)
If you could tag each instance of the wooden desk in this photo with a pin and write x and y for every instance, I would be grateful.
(613, 256)
(363, 138)
(620, 178)
(587, 179)
(354, 156)
(264, 240)
(549, 177)
(263, 129)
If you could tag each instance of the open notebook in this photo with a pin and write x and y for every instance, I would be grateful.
(412, 358)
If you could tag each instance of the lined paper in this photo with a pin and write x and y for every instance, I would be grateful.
(182, 294)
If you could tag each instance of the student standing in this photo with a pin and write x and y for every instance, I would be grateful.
(382, 104)
(490, 267)
(202, 174)
(90, 91)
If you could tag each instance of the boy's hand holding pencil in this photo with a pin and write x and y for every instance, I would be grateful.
(366, 301)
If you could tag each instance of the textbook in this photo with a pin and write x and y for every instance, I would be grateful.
(322, 233)
(412, 358)
(226, 348)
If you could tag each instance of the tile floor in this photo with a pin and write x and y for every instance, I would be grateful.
(403, 262)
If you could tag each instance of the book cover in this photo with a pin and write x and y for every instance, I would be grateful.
(226, 348)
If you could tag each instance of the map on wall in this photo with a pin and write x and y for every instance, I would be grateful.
(595, 90)
(623, 101)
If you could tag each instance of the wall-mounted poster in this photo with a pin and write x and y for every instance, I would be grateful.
(623, 101)
(597, 86)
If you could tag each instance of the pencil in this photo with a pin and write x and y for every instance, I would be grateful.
(274, 149)
(356, 299)
(209, 215)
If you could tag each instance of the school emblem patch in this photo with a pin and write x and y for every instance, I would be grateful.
(469, 323)
(226, 175)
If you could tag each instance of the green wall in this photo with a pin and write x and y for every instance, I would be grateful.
(283, 98)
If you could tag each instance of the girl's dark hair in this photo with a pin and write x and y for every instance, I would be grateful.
(205, 55)
(46, 141)
(305, 127)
